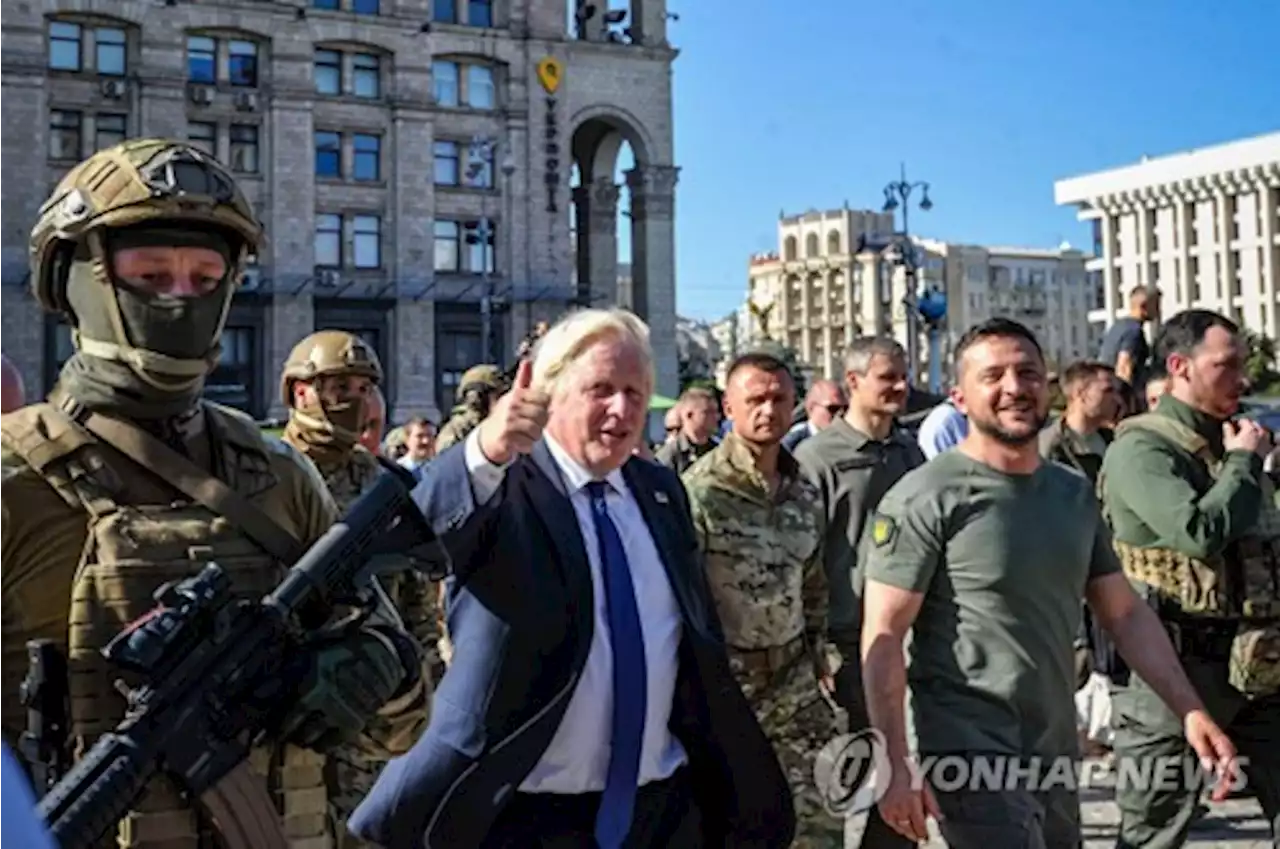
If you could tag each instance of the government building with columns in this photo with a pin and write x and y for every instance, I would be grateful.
(434, 175)
(1202, 226)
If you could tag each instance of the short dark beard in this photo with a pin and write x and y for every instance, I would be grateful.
(1004, 437)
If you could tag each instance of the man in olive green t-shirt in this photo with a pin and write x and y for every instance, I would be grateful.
(984, 554)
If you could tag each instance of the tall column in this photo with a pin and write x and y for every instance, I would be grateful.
(1227, 283)
(653, 264)
(1109, 298)
(603, 241)
(1268, 198)
(412, 266)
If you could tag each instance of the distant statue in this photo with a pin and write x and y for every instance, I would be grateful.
(762, 316)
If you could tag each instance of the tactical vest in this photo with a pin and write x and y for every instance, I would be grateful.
(141, 534)
(1239, 586)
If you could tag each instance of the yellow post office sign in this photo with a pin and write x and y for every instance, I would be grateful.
(550, 73)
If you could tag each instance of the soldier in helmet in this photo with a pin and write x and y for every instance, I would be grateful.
(329, 379)
(480, 387)
(141, 248)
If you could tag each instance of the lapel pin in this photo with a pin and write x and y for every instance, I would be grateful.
(660, 497)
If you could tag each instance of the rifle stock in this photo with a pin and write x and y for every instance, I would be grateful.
(218, 673)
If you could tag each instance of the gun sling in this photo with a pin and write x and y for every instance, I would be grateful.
(194, 482)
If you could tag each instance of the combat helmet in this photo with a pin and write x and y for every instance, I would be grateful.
(328, 352)
(483, 376)
(140, 185)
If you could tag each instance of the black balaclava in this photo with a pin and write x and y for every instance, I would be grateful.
(140, 355)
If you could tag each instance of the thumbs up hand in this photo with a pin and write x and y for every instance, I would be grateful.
(516, 421)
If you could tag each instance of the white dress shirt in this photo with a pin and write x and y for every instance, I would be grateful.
(577, 760)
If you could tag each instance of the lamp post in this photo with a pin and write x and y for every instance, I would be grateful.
(508, 214)
(898, 194)
(480, 160)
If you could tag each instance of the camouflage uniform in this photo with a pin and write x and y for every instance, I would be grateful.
(348, 470)
(763, 555)
(479, 385)
(1198, 533)
(89, 533)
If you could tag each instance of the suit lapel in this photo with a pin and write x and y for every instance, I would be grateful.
(660, 508)
(551, 502)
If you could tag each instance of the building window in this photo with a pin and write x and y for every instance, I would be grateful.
(479, 167)
(446, 163)
(109, 130)
(364, 7)
(64, 134)
(204, 135)
(447, 254)
(202, 59)
(328, 154)
(328, 240)
(366, 75)
(242, 63)
(444, 79)
(244, 148)
(445, 11)
(480, 13)
(366, 241)
(480, 238)
(328, 72)
(64, 46)
(231, 382)
(480, 94)
(367, 159)
(332, 5)
(109, 51)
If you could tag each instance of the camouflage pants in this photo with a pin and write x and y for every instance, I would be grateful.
(350, 774)
(798, 722)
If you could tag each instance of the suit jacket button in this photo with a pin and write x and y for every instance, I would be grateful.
(503, 795)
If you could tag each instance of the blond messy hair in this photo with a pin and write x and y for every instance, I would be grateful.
(572, 335)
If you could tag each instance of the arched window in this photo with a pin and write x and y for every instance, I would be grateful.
(833, 242)
(811, 245)
(789, 249)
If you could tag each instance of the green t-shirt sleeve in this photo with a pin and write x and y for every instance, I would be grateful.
(1103, 561)
(904, 542)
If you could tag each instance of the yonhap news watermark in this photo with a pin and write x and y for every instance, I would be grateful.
(852, 772)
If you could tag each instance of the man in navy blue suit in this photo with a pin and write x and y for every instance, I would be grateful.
(589, 701)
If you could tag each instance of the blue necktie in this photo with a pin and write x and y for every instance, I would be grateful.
(618, 801)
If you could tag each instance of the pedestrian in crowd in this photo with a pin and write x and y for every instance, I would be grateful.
(14, 394)
(671, 423)
(853, 463)
(590, 696)
(420, 444)
(1124, 347)
(699, 418)
(479, 387)
(105, 488)
(943, 429)
(394, 446)
(326, 381)
(823, 403)
(983, 555)
(1079, 437)
(760, 528)
(375, 421)
(1196, 527)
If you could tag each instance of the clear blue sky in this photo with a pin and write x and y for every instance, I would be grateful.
(798, 104)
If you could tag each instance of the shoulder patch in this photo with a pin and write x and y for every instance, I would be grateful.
(883, 531)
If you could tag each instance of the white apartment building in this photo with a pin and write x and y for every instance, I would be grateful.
(1203, 226)
(832, 281)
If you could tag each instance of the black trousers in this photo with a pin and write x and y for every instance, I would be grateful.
(665, 816)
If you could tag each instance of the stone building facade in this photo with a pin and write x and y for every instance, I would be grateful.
(410, 159)
(834, 278)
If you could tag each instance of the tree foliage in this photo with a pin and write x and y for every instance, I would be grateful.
(1259, 366)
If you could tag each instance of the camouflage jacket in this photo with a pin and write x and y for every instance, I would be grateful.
(763, 548)
(461, 422)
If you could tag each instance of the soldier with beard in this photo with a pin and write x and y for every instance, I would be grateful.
(329, 379)
(127, 479)
(983, 554)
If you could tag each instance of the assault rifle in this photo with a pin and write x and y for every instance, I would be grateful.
(218, 674)
(44, 695)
